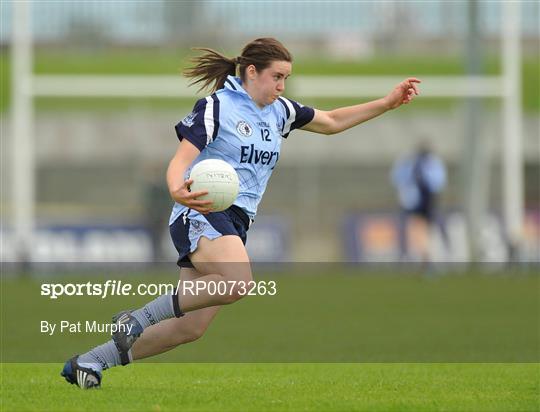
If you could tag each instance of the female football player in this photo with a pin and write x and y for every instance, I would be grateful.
(242, 122)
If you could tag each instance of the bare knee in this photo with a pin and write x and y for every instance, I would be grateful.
(237, 288)
(178, 331)
(226, 259)
(187, 333)
(192, 334)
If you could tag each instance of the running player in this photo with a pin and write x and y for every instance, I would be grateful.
(242, 122)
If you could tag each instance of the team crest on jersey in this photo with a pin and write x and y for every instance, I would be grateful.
(189, 119)
(244, 128)
(196, 227)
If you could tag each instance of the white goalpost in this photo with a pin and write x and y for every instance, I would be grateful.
(26, 86)
(22, 134)
(512, 153)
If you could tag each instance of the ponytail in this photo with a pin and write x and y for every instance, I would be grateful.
(211, 67)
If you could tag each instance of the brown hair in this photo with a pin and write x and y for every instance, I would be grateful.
(213, 67)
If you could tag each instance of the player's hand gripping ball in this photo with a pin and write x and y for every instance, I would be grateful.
(218, 178)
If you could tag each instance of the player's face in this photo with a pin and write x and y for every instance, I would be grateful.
(269, 84)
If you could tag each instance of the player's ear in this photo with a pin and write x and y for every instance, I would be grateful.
(251, 71)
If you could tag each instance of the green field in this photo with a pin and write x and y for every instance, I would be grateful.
(320, 313)
(332, 338)
(280, 387)
(151, 61)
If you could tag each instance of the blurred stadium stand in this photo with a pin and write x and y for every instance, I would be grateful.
(91, 162)
(164, 22)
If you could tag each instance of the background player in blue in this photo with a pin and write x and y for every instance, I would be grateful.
(419, 178)
(243, 122)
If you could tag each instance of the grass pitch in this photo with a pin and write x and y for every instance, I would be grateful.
(278, 387)
(334, 341)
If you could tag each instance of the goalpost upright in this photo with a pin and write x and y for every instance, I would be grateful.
(23, 168)
(512, 151)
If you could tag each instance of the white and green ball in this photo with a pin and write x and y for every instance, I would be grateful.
(218, 178)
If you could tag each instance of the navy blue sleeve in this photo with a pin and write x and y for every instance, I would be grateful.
(201, 126)
(296, 115)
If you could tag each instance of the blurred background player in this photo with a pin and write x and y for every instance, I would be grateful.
(419, 179)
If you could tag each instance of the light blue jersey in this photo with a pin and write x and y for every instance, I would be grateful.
(228, 125)
(415, 176)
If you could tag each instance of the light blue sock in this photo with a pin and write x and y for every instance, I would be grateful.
(153, 312)
(102, 357)
(106, 356)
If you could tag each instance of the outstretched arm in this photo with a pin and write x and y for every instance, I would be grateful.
(337, 120)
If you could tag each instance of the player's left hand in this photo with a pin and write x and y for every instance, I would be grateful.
(403, 93)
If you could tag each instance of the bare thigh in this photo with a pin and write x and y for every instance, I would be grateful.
(225, 255)
(223, 259)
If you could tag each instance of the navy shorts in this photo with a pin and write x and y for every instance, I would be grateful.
(189, 226)
(426, 209)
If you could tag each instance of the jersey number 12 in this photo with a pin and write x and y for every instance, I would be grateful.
(265, 135)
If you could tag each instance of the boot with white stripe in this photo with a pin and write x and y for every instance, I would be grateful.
(84, 378)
